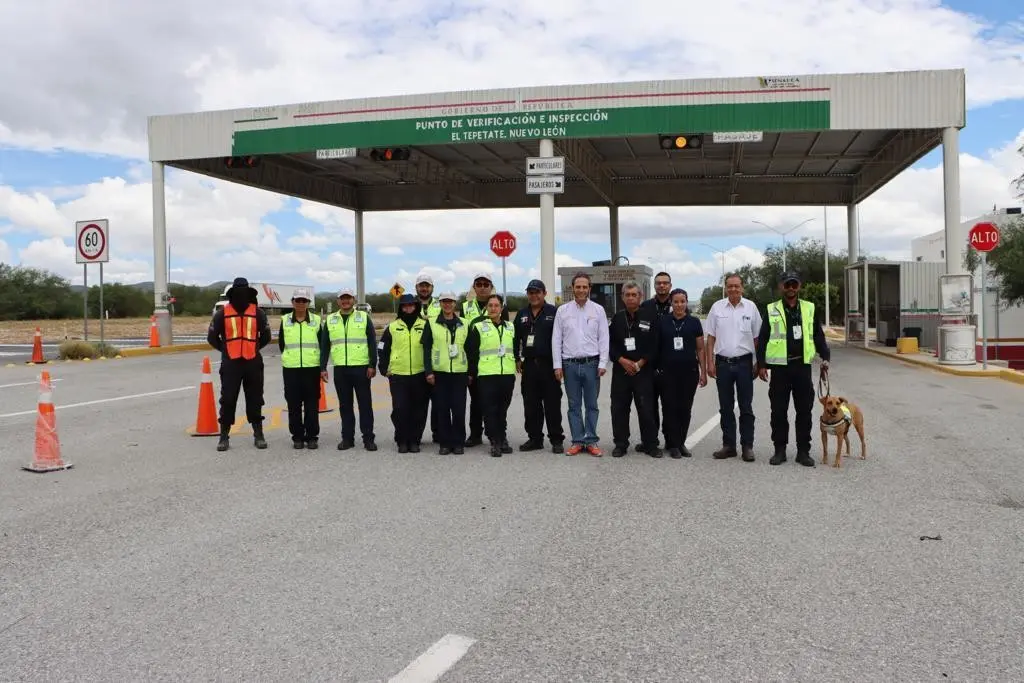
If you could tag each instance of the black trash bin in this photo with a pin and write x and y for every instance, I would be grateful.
(913, 332)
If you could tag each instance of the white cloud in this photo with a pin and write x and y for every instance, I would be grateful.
(174, 58)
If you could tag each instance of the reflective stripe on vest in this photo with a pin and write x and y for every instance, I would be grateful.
(471, 309)
(348, 339)
(241, 336)
(301, 346)
(777, 352)
(492, 338)
(406, 348)
(431, 310)
(440, 358)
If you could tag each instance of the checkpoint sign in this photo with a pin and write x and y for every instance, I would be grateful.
(503, 243)
(984, 237)
(92, 241)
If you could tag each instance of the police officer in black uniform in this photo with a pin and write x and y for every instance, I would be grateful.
(633, 351)
(791, 374)
(542, 392)
(661, 305)
(241, 364)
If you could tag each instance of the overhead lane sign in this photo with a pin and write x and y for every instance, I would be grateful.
(545, 165)
(545, 184)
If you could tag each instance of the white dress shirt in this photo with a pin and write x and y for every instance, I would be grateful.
(733, 327)
(580, 332)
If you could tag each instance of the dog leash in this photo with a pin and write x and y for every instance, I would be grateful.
(823, 382)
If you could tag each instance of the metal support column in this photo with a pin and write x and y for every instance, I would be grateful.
(955, 242)
(867, 317)
(160, 293)
(613, 232)
(360, 259)
(547, 231)
(852, 254)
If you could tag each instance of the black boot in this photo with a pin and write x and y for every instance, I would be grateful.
(257, 436)
(779, 457)
(225, 442)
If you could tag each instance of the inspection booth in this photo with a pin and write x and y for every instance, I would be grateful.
(606, 282)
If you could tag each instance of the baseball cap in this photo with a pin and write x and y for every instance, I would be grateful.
(346, 291)
(450, 296)
(423, 277)
(483, 276)
(790, 275)
(302, 293)
(536, 284)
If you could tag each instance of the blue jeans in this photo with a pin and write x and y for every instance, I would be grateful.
(582, 385)
(735, 383)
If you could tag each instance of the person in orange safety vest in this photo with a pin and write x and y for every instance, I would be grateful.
(239, 331)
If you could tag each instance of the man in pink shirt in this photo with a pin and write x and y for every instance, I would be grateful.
(579, 352)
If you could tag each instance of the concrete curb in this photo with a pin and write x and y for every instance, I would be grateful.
(1012, 376)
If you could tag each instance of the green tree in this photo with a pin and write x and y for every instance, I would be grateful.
(708, 298)
(1005, 263)
(32, 294)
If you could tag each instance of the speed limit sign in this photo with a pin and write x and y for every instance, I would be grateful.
(92, 241)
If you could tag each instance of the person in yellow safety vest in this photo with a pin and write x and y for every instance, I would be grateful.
(490, 351)
(444, 340)
(304, 348)
(790, 336)
(474, 307)
(404, 361)
(353, 343)
(430, 308)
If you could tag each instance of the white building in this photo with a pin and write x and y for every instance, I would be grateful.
(1005, 326)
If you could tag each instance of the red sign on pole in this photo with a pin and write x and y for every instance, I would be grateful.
(503, 243)
(984, 237)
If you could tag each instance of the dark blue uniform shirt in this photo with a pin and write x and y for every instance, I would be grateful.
(689, 330)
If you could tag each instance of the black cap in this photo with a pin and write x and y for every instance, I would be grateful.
(790, 275)
(242, 283)
(406, 299)
(536, 284)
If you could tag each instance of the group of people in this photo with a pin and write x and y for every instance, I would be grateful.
(444, 358)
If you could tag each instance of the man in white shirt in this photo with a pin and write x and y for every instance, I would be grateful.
(579, 353)
(732, 327)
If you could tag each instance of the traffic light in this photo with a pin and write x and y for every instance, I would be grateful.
(242, 162)
(681, 141)
(390, 154)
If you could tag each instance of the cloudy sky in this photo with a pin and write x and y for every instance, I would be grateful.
(79, 80)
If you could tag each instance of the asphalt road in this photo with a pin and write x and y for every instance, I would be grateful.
(157, 558)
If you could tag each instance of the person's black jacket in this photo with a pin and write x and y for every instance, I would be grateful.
(642, 326)
(322, 338)
(658, 307)
(215, 333)
(540, 327)
(820, 341)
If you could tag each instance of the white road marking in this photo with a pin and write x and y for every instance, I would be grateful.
(102, 400)
(701, 432)
(24, 384)
(433, 663)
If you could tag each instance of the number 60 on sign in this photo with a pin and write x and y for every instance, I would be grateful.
(92, 241)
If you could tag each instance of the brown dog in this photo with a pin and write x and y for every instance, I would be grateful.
(837, 416)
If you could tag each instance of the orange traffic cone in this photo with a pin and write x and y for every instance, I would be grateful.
(47, 452)
(206, 415)
(154, 334)
(323, 398)
(37, 348)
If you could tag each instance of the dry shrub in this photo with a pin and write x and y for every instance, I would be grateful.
(77, 350)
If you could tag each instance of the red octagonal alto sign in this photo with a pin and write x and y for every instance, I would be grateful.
(503, 243)
(984, 237)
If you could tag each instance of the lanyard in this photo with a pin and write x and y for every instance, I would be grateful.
(679, 326)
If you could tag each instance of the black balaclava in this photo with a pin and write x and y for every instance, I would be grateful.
(240, 298)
